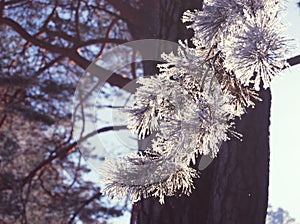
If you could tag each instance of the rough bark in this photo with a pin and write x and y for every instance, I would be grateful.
(241, 172)
(234, 188)
(178, 210)
(161, 19)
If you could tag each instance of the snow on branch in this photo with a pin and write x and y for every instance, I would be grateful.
(191, 104)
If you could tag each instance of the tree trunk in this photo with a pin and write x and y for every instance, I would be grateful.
(239, 187)
(234, 188)
(161, 19)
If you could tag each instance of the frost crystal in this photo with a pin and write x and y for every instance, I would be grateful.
(247, 32)
(191, 104)
(185, 104)
(258, 51)
(213, 23)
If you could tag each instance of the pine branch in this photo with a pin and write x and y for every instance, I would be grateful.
(191, 102)
(294, 60)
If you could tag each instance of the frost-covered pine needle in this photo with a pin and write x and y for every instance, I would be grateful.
(214, 22)
(258, 52)
(185, 105)
(192, 103)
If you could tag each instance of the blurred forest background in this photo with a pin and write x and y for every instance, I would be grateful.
(45, 48)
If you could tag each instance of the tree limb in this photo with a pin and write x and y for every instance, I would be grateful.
(24, 34)
(111, 25)
(107, 11)
(102, 41)
(77, 20)
(65, 151)
(88, 201)
(85, 203)
(114, 79)
(55, 49)
(294, 60)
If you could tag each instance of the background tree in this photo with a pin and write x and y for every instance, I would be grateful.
(278, 216)
(45, 47)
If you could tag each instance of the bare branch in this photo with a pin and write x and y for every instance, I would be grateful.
(77, 20)
(23, 33)
(56, 49)
(47, 66)
(115, 79)
(2, 121)
(111, 25)
(95, 196)
(60, 34)
(88, 201)
(108, 12)
(65, 151)
(101, 40)
(12, 2)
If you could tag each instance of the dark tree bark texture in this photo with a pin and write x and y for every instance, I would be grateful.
(239, 187)
(234, 188)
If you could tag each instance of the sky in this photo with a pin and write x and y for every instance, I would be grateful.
(285, 123)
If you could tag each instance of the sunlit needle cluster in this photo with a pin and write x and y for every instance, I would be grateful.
(190, 105)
